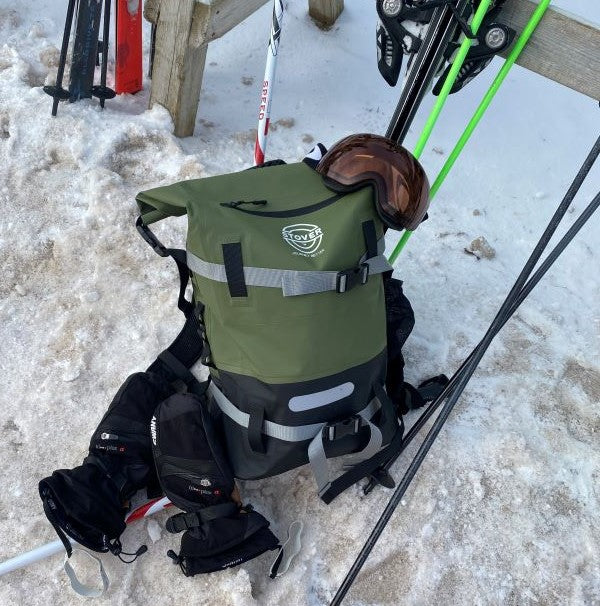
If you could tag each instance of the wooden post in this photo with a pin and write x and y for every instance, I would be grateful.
(179, 57)
(325, 11)
(564, 47)
(183, 30)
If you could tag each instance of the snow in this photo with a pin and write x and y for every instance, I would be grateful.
(504, 509)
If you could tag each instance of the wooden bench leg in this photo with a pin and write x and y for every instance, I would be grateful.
(325, 11)
(179, 58)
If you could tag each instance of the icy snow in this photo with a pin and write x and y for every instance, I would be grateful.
(505, 508)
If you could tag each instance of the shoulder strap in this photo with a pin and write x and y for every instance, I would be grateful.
(178, 255)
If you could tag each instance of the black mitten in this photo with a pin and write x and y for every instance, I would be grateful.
(88, 503)
(195, 474)
(84, 504)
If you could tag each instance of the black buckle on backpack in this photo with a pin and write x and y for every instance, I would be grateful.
(341, 429)
(157, 246)
(349, 278)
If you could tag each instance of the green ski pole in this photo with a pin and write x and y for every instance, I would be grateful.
(450, 78)
(479, 112)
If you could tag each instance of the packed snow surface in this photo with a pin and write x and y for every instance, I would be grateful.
(505, 509)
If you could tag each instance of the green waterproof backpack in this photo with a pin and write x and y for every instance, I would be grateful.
(288, 292)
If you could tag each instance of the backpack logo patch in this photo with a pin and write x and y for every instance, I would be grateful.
(305, 238)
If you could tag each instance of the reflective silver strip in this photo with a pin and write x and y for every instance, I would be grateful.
(291, 282)
(321, 398)
(287, 433)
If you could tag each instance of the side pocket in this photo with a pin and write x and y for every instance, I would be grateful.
(190, 461)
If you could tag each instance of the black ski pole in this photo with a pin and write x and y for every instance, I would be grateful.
(447, 409)
(462, 378)
(499, 320)
(57, 91)
(102, 91)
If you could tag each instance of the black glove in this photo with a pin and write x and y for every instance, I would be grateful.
(194, 473)
(88, 503)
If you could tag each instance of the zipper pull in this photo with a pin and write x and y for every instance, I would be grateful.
(240, 202)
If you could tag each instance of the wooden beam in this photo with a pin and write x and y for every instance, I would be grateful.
(325, 12)
(564, 47)
(226, 14)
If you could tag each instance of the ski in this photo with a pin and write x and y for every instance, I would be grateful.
(85, 49)
(487, 99)
(401, 32)
(264, 111)
(423, 65)
(128, 54)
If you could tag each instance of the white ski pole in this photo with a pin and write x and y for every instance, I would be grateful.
(45, 551)
(264, 110)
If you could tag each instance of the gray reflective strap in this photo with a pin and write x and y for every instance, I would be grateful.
(296, 283)
(370, 450)
(287, 433)
(291, 282)
(85, 590)
(318, 462)
(318, 458)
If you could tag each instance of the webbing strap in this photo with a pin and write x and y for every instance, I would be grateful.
(291, 282)
(184, 521)
(318, 458)
(234, 269)
(287, 433)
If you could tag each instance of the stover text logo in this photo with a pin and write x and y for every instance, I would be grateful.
(304, 238)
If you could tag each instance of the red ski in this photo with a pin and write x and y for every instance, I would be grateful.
(128, 69)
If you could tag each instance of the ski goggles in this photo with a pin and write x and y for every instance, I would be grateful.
(400, 183)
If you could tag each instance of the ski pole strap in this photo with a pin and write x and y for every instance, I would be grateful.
(49, 510)
(87, 591)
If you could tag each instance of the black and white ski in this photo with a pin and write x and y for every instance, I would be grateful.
(428, 31)
(424, 64)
